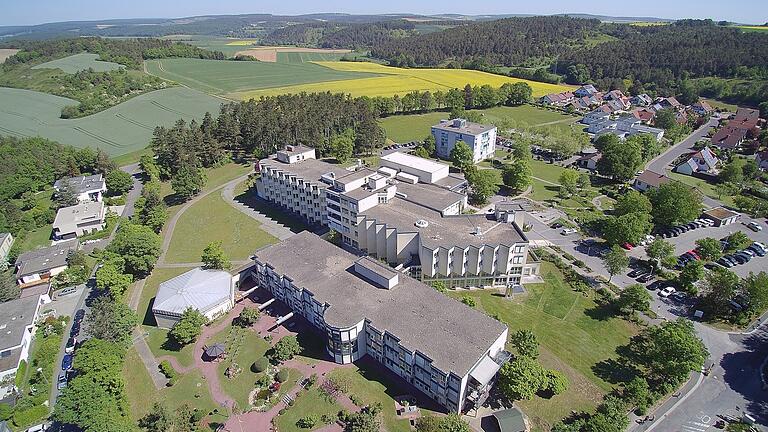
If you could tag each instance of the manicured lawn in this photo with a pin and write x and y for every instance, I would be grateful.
(702, 186)
(714, 103)
(190, 389)
(371, 387)
(405, 128)
(212, 219)
(37, 238)
(546, 171)
(312, 402)
(130, 158)
(243, 347)
(575, 334)
(160, 345)
(78, 62)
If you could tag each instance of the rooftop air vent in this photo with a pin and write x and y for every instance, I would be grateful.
(421, 223)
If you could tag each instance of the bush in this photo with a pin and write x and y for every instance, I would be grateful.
(5, 411)
(167, 369)
(285, 349)
(260, 365)
(307, 422)
(281, 376)
(30, 416)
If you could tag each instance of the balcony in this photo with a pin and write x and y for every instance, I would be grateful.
(483, 377)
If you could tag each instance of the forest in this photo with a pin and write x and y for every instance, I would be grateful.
(341, 35)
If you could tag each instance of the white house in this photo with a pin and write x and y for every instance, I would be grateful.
(85, 188)
(481, 139)
(210, 292)
(78, 220)
(701, 161)
(649, 180)
(589, 161)
(17, 327)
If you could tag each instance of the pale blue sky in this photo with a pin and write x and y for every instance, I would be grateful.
(22, 12)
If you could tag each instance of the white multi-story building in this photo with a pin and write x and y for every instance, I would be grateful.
(85, 188)
(17, 325)
(481, 139)
(449, 351)
(408, 213)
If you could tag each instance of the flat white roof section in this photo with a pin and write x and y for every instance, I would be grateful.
(417, 166)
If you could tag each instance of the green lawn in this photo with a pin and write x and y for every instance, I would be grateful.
(312, 402)
(243, 347)
(371, 387)
(223, 76)
(122, 129)
(702, 186)
(160, 345)
(404, 128)
(190, 389)
(37, 238)
(212, 219)
(575, 334)
(78, 62)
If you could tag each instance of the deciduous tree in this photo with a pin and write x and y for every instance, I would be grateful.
(118, 182)
(517, 175)
(659, 250)
(615, 261)
(214, 257)
(526, 343)
(521, 378)
(138, 245)
(634, 298)
(461, 156)
(709, 249)
(110, 320)
(632, 201)
(674, 203)
(343, 145)
(628, 228)
(285, 349)
(188, 328)
(690, 274)
(568, 180)
(482, 184)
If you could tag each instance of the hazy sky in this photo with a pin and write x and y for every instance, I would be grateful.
(22, 12)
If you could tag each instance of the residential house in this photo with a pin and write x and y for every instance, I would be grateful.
(79, 220)
(649, 180)
(596, 116)
(6, 242)
(761, 158)
(17, 322)
(557, 99)
(480, 138)
(645, 115)
(589, 160)
(729, 137)
(701, 161)
(40, 265)
(585, 91)
(670, 102)
(361, 307)
(85, 188)
(702, 108)
(641, 100)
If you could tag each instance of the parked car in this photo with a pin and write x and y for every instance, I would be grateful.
(666, 292)
(655, 285)
(62, 381)
(754, 226)
(556, 225)
(79, 315)
(567, 231)
(75, 329)
(71, 344)
(627, 246)
(759, 252)
(637, 272)
(678, 297)
(741, 258)
(66, 362)
(727, 263)
(646, 278)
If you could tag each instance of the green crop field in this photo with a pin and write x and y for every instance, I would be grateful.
(119, 130)
(78, 62)
(304, 57)
(221, 77)
(404, 128)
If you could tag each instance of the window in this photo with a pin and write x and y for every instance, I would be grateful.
(6, 353)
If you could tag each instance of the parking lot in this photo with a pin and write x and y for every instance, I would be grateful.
(687, 241)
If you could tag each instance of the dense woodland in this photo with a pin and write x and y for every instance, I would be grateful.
(340, 35)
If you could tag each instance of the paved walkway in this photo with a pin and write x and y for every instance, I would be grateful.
(149, 360)
(267, 224)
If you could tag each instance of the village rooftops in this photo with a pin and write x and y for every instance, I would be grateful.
(446, 231)
(453, 335)
(44, 259)
(652, 178)
(82, 184)
(463, 127)
(68, 218)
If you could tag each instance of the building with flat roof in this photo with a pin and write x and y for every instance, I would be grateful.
(407, 213)
(85, 188)
(17, 327)
(210, 292)
(481, 139)
(78, 220)
(449, 351)
(721, 216)
(40, 265)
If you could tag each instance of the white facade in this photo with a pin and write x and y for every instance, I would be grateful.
(78, 220)
(17, 321)
(6, 242)
(480, 139)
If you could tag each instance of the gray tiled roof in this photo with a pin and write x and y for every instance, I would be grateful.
(198, 289)
(15, 317)
(44, 259)
(452, 334)
(82, 184)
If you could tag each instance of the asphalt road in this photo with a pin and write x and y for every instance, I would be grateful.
(663, 162)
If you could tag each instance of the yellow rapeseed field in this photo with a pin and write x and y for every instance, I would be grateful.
(399, 81)
(241, 42)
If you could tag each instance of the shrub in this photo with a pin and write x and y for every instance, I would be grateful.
(260, 365)
(311, 380)
(285, 349)
(30, 416)
(167, 369)
(356, 400)
(281, 376)
(5, 411)
(307, 422)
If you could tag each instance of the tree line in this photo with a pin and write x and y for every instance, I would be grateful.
(128, 52)
(339, 34)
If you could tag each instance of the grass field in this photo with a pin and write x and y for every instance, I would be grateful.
(191, 389)
(399, 81)
(212, 219)
(119, 130)
(703, 186)
(575, 336)
(311, 402)
(224, 77)
(404, 128)
(753, 28)
(78, 62)
(305, 57)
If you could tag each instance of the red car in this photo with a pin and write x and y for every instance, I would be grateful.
(628, 246)
(695, 254)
